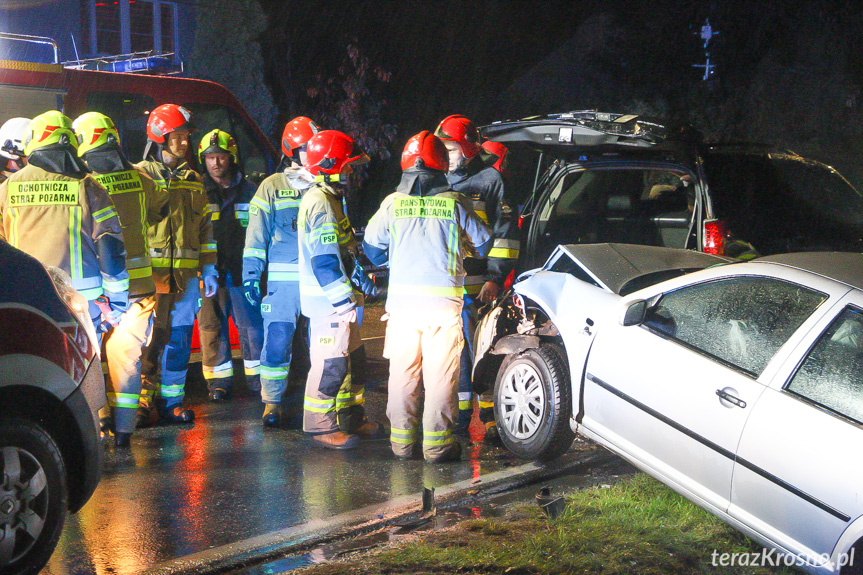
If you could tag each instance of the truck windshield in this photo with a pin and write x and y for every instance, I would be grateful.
(207, 117)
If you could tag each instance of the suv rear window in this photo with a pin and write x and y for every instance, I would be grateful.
(645, 206)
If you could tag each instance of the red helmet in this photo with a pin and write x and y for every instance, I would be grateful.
(462, 131)
(167, 118)
(328, 152)
(297, 134)
(499, 150)
(429, 149)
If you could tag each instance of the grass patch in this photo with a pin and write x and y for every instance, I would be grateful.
(636, 527)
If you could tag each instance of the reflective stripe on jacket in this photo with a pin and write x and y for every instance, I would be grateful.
(324, 230)
(58, 220)
(139, 202)
(483, 185)
(229, 211)
(271, 239)
(425, 237)
(182, 244)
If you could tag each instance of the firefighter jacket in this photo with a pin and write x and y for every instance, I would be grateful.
(229, 211)
(484, 186)
(271, 240)
(69, 223)
(425, 226)
(182, 244)
(139, 203)
(328, 252)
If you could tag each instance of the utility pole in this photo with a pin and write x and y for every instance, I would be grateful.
(707, 33)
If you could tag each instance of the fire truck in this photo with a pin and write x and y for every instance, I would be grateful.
(29, 88)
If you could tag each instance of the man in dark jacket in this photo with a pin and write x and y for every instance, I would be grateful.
(229, 194)
(471, 173)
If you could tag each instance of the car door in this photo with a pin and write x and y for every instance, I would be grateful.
(798, 470)
(674, 393)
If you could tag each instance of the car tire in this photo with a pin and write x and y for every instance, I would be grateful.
(533, 403)
(33, 496)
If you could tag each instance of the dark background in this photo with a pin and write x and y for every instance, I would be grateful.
(787, 72)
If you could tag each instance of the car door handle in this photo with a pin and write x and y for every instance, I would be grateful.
(724, 395)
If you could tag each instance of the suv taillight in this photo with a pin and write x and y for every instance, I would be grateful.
(715, 234)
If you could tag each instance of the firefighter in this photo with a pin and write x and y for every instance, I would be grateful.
(499, 154)
(56, 212)
(229, 194)
(421, 225)
(470, 174)
(333, 405)
(181, 248)
(12, 147)
(271, 247)
(139, 203)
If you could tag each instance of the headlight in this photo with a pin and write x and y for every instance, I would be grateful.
(76, 303)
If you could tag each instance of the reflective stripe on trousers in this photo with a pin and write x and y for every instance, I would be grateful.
(427, 350)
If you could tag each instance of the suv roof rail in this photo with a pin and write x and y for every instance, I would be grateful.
(743, 146)
(34, 40)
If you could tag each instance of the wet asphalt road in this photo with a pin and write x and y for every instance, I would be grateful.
(184, 489)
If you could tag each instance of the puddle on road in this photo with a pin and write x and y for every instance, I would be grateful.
(413, 523)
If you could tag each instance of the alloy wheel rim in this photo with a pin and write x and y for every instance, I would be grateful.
(522, 401)
(23, 503)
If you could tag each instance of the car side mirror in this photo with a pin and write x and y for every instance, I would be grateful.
(634, 313)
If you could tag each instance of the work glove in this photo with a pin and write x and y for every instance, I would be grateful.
(361, 280)
(112, 312)
(211, 286)
(252, 292)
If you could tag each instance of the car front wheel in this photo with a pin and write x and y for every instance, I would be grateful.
(533, 403)
(33, 496)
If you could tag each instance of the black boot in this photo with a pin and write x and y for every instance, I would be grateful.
(177, 414)
(272, 417)
(122, 439)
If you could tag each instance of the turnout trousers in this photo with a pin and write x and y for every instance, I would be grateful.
(424, 352)
(123, 346)
(332, 400)
(280, 310)
(217, 362)
(169, 351)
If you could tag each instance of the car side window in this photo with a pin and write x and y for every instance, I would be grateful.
(831, 375)
(740, 321)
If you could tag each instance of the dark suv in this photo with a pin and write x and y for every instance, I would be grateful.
(51, 388)
(597, 177)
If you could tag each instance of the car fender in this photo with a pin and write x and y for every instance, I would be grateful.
(578, 309)
(32, 371)
(852, 534)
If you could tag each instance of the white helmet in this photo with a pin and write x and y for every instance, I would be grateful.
(12, 135)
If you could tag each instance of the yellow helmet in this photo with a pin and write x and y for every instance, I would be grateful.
(217, 141)
(93, 130)
(52, 127)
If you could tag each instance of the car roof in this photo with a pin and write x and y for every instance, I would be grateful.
(844, 267)
(613, 265)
